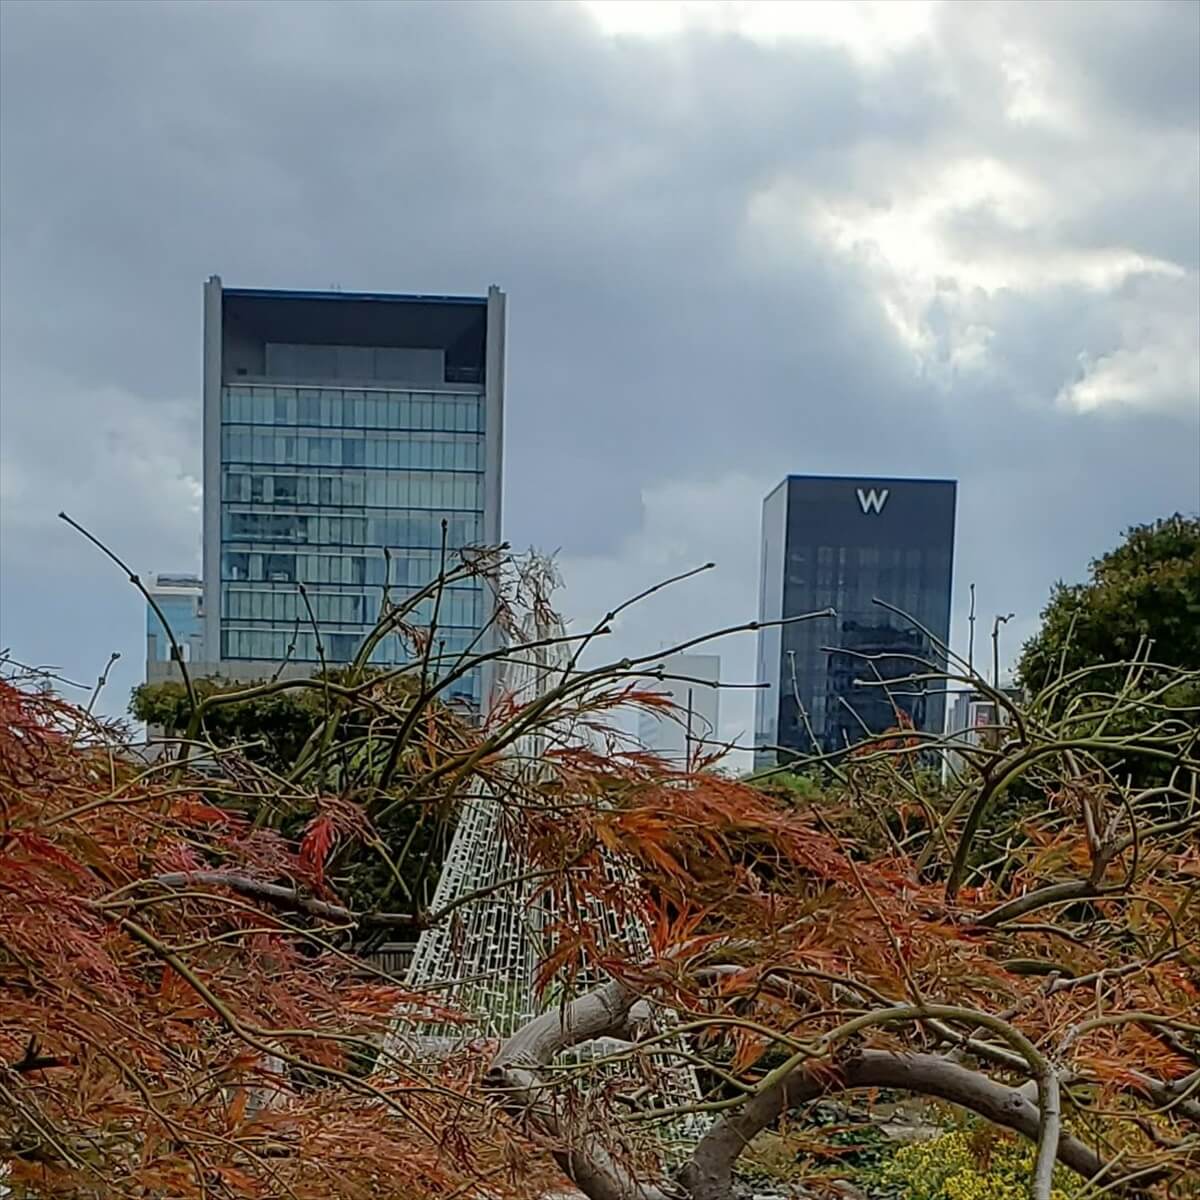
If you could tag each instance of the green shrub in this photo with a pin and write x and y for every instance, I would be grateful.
(966, 1164)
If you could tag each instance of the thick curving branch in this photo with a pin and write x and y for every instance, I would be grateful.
(515, 1078)
(603, 1012)
(709, 1174)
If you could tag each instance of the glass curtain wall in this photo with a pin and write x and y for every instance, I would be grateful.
(316, 484)
(841, 544)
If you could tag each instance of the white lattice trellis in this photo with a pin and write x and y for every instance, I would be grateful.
(482, 960)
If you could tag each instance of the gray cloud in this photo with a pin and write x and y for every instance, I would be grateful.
(727, 259)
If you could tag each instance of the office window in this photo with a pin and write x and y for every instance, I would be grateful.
(317, 481)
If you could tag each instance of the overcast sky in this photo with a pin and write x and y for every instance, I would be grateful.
(738, 241)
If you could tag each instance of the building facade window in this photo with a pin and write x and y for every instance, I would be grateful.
(344, 490)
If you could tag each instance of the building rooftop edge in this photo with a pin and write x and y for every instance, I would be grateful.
(871, 478)
(384, 297)
(880, 479)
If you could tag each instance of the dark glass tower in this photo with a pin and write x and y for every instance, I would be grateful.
(842, 543)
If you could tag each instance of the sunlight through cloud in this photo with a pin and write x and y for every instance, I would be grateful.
(870, 30)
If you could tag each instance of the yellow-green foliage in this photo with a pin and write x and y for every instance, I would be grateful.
(979, 1164)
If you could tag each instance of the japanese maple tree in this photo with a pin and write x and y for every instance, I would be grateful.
(185, 1012)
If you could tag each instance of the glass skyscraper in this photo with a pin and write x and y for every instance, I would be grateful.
(843, 543)
(340, 431)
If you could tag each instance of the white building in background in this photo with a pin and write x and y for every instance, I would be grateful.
(975, 719)
(691, 728)
(180, 599)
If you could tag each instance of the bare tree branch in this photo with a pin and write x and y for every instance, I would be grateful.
(247, 885)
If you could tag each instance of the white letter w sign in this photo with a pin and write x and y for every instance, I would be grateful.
(872, 501)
